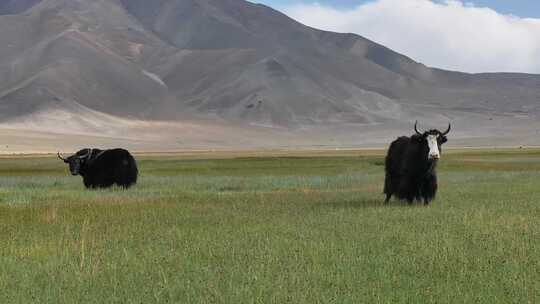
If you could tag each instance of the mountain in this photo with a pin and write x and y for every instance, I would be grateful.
(232, 63)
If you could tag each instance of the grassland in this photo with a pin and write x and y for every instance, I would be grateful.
(281, 227)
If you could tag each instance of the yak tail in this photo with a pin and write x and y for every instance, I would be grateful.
(133, 169)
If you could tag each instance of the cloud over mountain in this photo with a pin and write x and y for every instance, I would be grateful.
(448, 34)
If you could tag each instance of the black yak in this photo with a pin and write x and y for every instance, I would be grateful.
(103, 168)
(410, 166)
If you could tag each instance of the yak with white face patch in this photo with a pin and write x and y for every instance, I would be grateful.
(433, 147)
(411, 165)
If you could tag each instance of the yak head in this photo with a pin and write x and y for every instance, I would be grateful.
(77, 160)
(433, 139)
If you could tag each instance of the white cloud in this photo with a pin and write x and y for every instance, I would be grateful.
(449, 34)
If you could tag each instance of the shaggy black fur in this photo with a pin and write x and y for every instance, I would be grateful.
(103, 168)
(410, 174)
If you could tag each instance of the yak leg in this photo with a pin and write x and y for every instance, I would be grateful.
(407, 189)
(88, 183)
(389, 183)
(429, 189)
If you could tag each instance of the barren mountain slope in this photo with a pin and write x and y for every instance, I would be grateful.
(231, 62)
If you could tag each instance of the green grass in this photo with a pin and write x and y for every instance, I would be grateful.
(269, 229)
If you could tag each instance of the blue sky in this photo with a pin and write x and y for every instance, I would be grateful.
(522, 8)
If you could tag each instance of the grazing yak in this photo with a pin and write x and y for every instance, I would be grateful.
(411, 163)
(103, 168)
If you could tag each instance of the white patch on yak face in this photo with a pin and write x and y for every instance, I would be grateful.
(433, 147)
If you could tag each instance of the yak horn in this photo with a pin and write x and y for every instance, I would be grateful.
(61, 157)
(88, 152)
(416, 128)
(447, 131)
